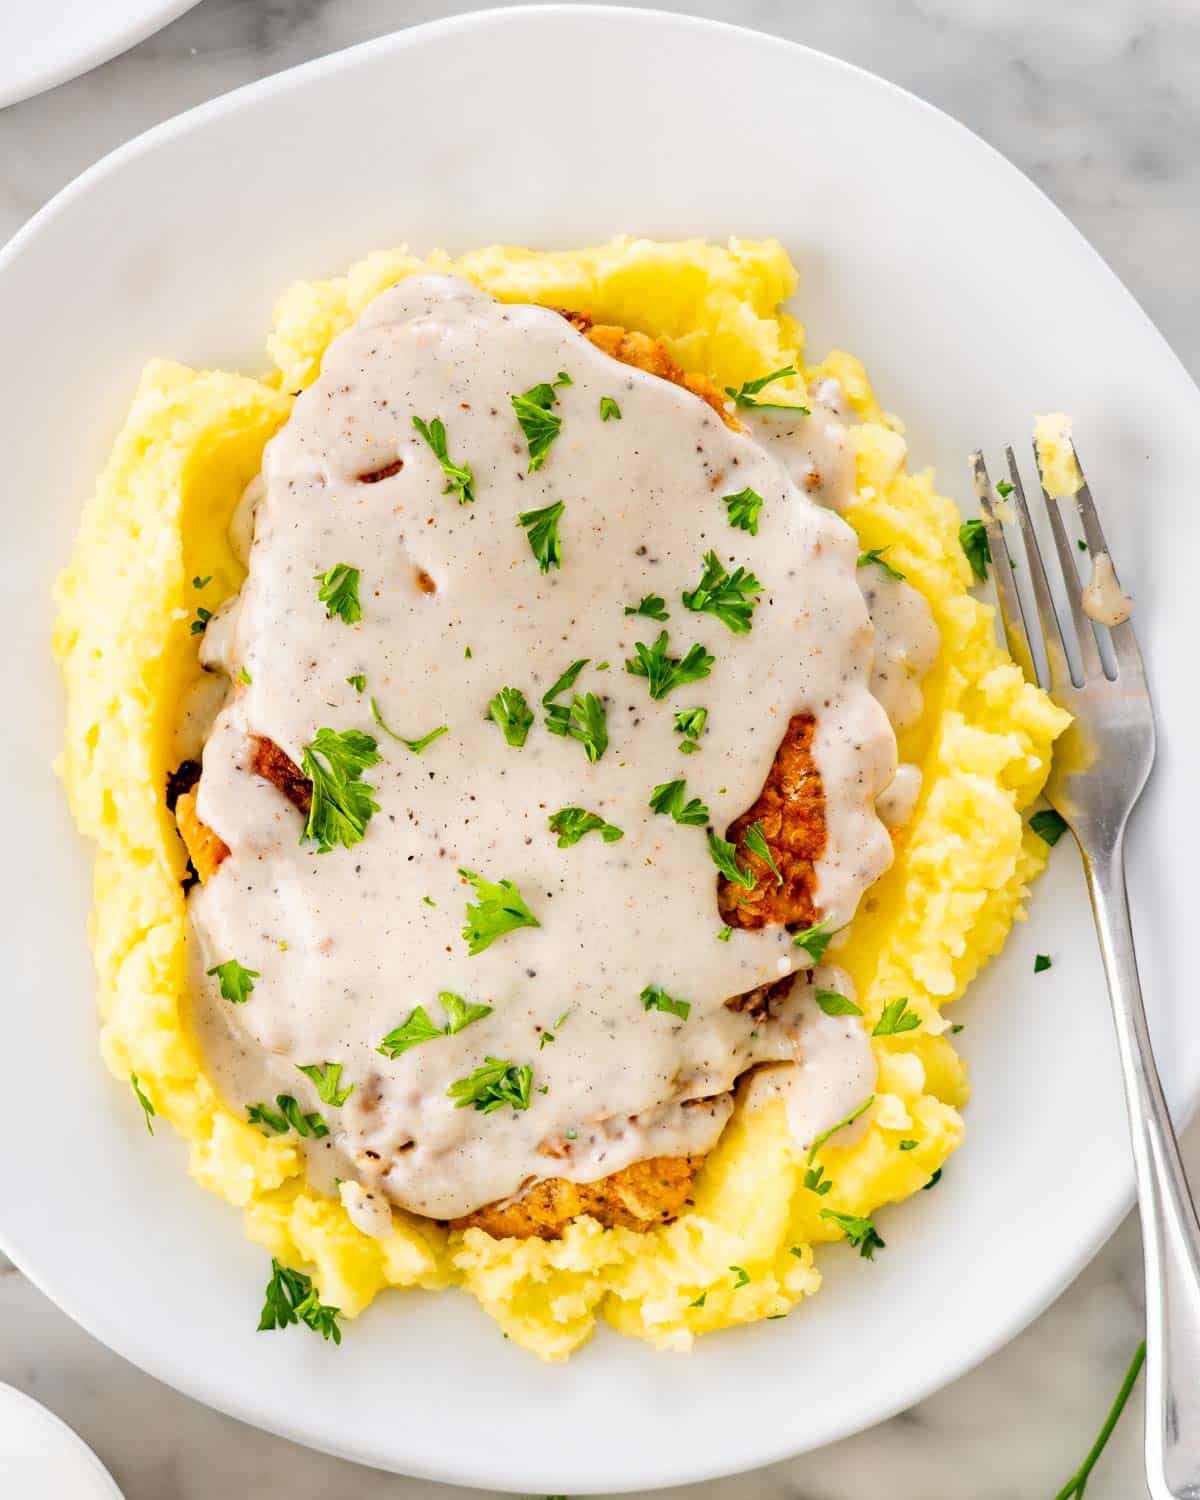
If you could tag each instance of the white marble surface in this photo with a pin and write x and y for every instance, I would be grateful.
(1099, 101)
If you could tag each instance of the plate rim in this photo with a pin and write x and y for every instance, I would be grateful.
(683, 1468)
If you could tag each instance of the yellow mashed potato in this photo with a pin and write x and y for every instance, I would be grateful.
(191, 442)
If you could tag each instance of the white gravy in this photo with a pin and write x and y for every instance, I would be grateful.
(345, 943)
(1103, 600)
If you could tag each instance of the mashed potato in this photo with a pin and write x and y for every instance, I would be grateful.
(158, 524)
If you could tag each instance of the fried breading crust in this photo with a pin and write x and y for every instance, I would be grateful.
(791, 810)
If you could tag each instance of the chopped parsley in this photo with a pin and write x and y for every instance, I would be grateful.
(690, 722)
(908, 1145)
(325, 1078)
(242, 675)
(933, 1181)
(816, 1181)
(834, 1004)
(743, 509)
(200, 623)
(814, 940)
(654, 997)
(289, 1115)
(419, 1027)
(202, 583)
(466, 653)
(511, 714)
(1041, 963)
(875, 555)
(459, 479)
(429, 901)
(292, 1298)
(500, 908)
(339, 593)
(541, 527)
(896, 1018)
(416, 746)
(663, 672)
(1081, 544)
(493, 1084)
(744, 396)
(729, 596)
(539, 424)
(724, 935)
(668, 799)
(756, 842)
(358, 681)
(743, 1278)
(700, 1300)
(972, 538)
(1004, 489)
(585, 720)
(148, 1109)
(1048, 825)
(342, 803)
(724, 856)
(550, 1034)
(841, 1125)
(571, 823)
(236, 982)
(861, 1232)
(609, 408)
(653, 605)
(567, 680)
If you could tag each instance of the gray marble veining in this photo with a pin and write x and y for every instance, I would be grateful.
(1100, 104)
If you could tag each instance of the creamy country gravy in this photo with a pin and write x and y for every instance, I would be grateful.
(346, 943)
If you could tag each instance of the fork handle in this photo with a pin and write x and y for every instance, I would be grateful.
(1170, 1231)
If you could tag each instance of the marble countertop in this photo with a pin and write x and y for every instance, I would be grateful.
(1098, 101)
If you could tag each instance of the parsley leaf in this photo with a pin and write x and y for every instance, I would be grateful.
(724, 935)
(816, 1181)
(200, 623)
(1004, 489)
(292, 1298)
(539, 424)
(729, 596)
(690, 722)
(700, 1300)
(875, 555)
(459, 479)
(896, 1018)
(972, 538)
(550, 1034)
(148, 1109)
(655, 998)
(339, 593)
(342, 803)
(242, 675)
(834, 1004)
(202, 583)
(663, 672)
(743, 509)
(653, 605)
(290, 1114)
(567, 680)
(743, 397)
(236, 982)
(358, 681)
(585, 720)
(668, 799)
(1041, 963)
(417, 1028)
(325, 1077)
(416, 746)
(861, 1233)
(1048, 825)
(933, 1181)
(724, 856)
(814, 940)
(908, 1145)
(511, 714)
(841, 1125)
(494, 1083)
(743, 1278)
(609, 408)
(501, 908)
(571, 823)
(756, 842)
(541, 527)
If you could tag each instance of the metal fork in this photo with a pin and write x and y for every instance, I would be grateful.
(1100, 768)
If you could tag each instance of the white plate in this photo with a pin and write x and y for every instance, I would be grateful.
(974, 304)
(42, 1456)
(45, 42)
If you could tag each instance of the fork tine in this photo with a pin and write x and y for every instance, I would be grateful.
(1129, 657)
(1012, 614)
(1056, 654)
(1089, 652)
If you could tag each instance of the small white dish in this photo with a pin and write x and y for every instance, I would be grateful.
(40, 1455)
(974, 304)
(44, 44)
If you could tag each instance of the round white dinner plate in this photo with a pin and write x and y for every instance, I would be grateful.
(974, 304)
(45, 42)
(40, 1455)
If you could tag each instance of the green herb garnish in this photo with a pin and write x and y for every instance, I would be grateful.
(973, 539)
(1048, 825)
(609, 408)
(1077, 1484)
(571, 823)
(896, 1018)
(584, 720)
(200, 623)
(756, 842)
(861, 1232)
(539, 424)
(541, 527)
(358, 681)
(325, 1078)
(690, 722)
(729, 596)
(459, 479)
(236, 982)
(1041, 963)
(834, 1004)
(743, 509)
(419, 1027)
(416, 746)
(550, 1034)
(342, 803)
(1004, 489)
(202, 583)
(814, 940)
(494, 1083)
(743, 397)
(908, 1145)
(933, 1181)
(724, 856)
(875, 555)
(339, 593)
(511, 714)
(653, 606)
(663, 672)
(724, 935)
(500, 908)
(148, 1109)
(653, 997)
(289, 1115)
(242, 675)
(743, 1278)
(668, 799)
(292, 1298)
(841, 1125)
